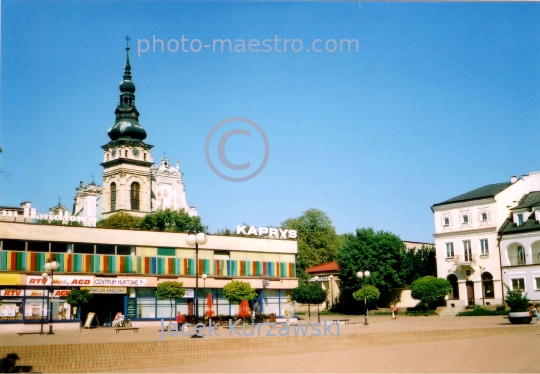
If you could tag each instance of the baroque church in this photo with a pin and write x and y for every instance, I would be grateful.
(131, 181)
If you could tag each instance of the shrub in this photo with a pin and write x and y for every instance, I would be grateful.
(430, 290)
(516, 300)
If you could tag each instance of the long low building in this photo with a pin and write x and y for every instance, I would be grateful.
(122, 269)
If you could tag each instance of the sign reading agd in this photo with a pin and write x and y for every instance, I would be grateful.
(267, 232)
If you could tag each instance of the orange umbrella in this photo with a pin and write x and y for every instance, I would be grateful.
(209, 306)
(243, 311)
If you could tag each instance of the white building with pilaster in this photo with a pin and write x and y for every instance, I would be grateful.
(466, 241)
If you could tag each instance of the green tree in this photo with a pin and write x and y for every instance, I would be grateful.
(368, 292)
(120, 220)
(318, 242)
(79, 298)
(418, 263)
(170, 290)
(380, 253)
(237, 291)
(309, 293)
(430, 290)
(516, 300)
(172, 220)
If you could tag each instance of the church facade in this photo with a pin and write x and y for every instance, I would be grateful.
(131, 181)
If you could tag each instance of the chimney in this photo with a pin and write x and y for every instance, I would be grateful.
(513, 179)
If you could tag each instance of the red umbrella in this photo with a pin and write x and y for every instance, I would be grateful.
(243, 311)
(209, 306)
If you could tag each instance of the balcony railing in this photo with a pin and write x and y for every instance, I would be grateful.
(460, 260)
(160, 265)
(517, 260)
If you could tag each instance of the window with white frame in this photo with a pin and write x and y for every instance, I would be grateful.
(484, 216)
(520, 219)
(518, 284)
(537, 280)
(446, 221)
(467, 252)
(484, 248)
(465, 219)
(449, 250)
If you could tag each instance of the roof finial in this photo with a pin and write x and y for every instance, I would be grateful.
(127, 67)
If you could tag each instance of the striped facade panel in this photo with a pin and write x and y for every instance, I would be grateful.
(110, 264)
(12, 260)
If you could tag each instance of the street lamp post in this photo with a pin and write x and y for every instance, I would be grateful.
(204, 276)
(363, 275)
(193, 240)
(316, 279)
(331, 301)
(50, 267)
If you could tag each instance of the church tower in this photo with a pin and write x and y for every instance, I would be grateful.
(127, 161)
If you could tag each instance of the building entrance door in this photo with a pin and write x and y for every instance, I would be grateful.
(470, 292)
(105, 306)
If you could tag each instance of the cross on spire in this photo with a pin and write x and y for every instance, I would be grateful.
(59, 201)
(127, 40)
(92, 178)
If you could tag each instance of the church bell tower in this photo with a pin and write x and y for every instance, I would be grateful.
(127, 161)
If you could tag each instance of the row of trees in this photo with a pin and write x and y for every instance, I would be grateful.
(162, 220)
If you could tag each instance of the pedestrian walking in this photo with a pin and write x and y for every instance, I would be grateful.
(394, 312)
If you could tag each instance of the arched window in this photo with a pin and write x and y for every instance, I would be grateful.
(487, 283)
(135, 193)
(113, 196)
(454, 294)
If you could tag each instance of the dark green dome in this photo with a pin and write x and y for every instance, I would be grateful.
(127, 128)
(127, 124)
(127, 86)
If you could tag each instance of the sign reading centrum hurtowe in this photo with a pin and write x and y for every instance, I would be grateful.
(267, 232)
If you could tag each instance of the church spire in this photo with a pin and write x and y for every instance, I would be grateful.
(127, 116)
(127, 67)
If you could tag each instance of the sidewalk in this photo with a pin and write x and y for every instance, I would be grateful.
(377, 324)
(408, 344)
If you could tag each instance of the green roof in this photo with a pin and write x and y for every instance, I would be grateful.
(531, 224)
(528, 201)
(489, 190)
(509, 227)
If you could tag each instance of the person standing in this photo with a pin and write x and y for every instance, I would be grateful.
(180, 320)
(395, 312)
(533, 311)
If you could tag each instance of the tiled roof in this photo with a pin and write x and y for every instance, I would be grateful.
(489, 190)
(329, 267)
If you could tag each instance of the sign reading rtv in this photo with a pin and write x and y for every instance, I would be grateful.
(267, 232)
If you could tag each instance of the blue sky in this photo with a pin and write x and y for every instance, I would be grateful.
(440, 98)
